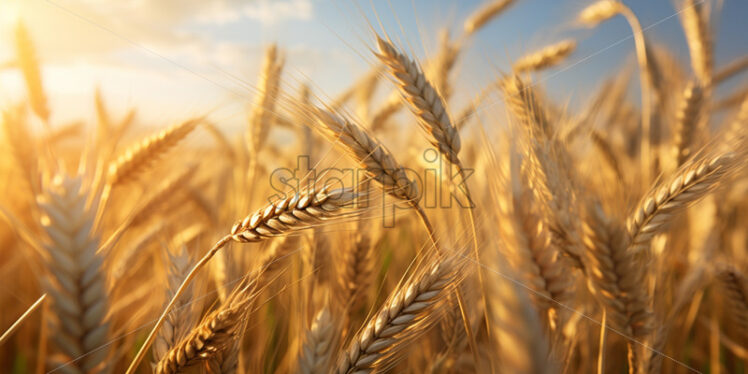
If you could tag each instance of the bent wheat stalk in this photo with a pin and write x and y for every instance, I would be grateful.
(602, 11)
(430, 109)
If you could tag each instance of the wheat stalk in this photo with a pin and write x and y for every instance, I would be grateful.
(20, 319)
(76, 285)
(547, 57)
(733, 68)
(407, 314)
(602, 11)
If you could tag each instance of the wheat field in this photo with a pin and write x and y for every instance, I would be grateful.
(421, 237)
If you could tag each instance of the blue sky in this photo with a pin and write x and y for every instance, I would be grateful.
(176, 58)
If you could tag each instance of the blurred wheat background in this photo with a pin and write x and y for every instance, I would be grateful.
(499, 186)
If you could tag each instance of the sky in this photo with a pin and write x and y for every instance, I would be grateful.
(174, 59)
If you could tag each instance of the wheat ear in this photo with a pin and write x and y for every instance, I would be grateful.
(178, 323)
(27, 62)
(297, 212)
(485, 14)
(599, 11)
(615, 276)
(214, 333)
(22, 148)
(301, 210)
(358, 268)
(735, 285)
(138, 158)
(77, 286)
(547, 57)
(424, 101)
(696, 27)
(530, 247)
(430, 109)
(385, 112)
(263, 110)
(444, 62)
(406, 315)
(525, 106)
(516, 328)
(689, 184)
(319, 345)
(379, 163)
(687, 120)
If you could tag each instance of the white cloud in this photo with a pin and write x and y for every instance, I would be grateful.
(271, 12)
